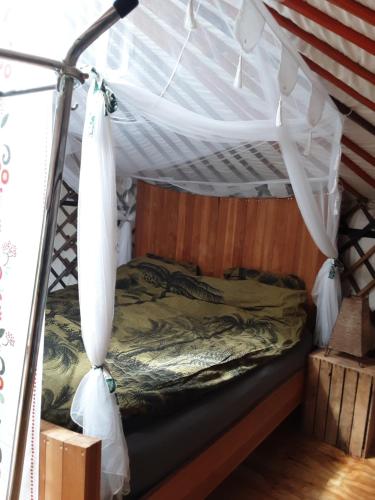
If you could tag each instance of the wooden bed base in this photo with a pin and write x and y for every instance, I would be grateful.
(198, 478)
(70, 462)
(69, 465)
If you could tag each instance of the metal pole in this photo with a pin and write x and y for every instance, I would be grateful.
(31, 59)
(62, 67)
(33, 90)
(120, 9)
(40, 285)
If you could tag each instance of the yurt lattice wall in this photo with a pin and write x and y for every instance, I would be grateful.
(357, 250)
(64, 261)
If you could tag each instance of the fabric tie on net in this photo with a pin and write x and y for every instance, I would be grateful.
(190, 22)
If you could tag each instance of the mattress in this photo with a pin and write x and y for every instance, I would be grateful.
(157, 449)
(176, 337)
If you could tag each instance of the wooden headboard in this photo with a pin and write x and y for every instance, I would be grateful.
(218, 233)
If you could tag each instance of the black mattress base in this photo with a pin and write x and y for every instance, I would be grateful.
(160, 448)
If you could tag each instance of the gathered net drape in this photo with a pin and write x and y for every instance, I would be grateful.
(94, 406)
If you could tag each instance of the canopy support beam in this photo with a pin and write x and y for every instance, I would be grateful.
(30, 90)
(44, 63)
(68, 73)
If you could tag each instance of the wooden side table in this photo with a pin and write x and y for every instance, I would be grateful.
(340, 402)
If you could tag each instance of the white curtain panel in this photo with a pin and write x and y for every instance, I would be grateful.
(124, 245)
(94, 407)
(322, 223)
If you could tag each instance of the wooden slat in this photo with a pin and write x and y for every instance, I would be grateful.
(334, 404)
(198, 478)
(360, 414)
(366, 366)
(42, 466)
(347, 409)
(69, 465)
(44, 426)
(354, 242)
(350, 417)
(367, 288)
(47, 426)
(359, 262)
(354, 284)
(369, 445)
(54, 463)
(311, 392)
(322, 399)
(81, 469)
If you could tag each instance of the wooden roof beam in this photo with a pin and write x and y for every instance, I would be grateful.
(358, 170)
(354, 116)
(357, 9)
(350, 189)
(365, 155)
(331, 24)
(323, 47)
(339, 83)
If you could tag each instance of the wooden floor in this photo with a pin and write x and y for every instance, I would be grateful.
(290, 466)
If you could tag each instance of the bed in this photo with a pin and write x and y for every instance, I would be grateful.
(219, 417)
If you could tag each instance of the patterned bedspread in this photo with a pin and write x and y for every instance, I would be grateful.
(176, 336)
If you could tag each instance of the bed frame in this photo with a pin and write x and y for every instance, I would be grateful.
(215, 233)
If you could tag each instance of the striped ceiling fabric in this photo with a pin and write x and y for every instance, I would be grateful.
(337, 39)
(196, 70)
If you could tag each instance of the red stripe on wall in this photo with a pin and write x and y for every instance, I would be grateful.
(358, 170)
(358, 150)
(339, 83)
(357, 9)
(331, 24)
(323, 47)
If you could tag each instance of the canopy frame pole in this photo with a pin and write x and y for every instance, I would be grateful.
(31, 90)
(68, 73)
(43, 62)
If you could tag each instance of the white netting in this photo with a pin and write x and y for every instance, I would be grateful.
(152, 54)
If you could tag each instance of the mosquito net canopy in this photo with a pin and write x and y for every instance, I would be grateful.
(198, 85)
(211, 98)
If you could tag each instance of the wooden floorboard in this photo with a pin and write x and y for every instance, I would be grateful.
(291, 466)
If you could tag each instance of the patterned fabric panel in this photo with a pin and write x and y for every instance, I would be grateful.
(176, 337)
(280, 280)
(189, 266)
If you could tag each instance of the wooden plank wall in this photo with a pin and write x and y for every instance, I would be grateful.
(218, 233)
